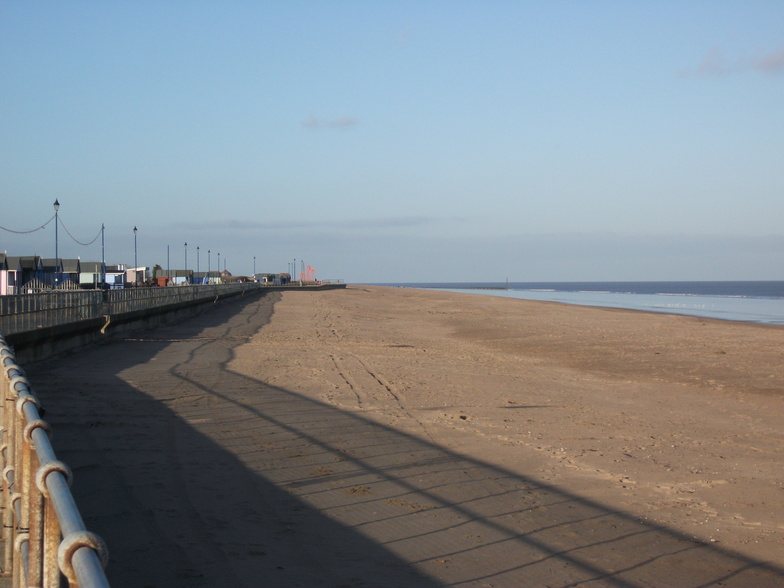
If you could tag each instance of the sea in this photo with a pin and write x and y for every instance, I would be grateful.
(750, 301)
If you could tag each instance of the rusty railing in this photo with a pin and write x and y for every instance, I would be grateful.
(44, 537)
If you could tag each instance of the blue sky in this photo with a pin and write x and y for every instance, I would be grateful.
(400, 141)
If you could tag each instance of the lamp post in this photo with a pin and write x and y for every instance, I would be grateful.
(186, 263)
(56, 246)
(254, 266)
(135, 258)
(103, 257)
(208, 264)
(218, 262)
(197, 260)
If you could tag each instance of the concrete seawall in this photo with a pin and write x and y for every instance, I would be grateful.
(36, 345)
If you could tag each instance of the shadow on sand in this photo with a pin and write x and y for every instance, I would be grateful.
(199, 476)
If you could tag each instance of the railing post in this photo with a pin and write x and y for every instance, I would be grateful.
(36, 534)
(16, 496)
(8, 473)
(23, 481)
(5, 450)
(51, 543)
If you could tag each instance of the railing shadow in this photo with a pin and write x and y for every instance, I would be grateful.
(196, 475)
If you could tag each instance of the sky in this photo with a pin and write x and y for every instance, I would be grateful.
(396, 141)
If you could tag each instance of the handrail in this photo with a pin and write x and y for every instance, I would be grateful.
(45, 537)
(29, 312)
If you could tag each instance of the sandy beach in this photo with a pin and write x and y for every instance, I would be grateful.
(398, 437)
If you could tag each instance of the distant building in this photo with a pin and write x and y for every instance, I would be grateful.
(135, 275)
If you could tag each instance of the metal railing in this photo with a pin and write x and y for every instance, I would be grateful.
(134, 299)
(44, 536)
(29, 312)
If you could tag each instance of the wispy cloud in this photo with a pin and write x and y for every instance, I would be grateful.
(769, 63)
(385, 223)
(344, 122)
(403, 36)
(351, 224)
(716, 64)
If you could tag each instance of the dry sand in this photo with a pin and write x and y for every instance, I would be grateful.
(397, 437)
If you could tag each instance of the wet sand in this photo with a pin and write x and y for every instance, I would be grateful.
(396, 437)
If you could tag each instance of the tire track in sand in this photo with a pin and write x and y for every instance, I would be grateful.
(372, 390)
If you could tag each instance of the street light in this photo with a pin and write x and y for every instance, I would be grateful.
(56, 246)
(197, 259)
(208, 264)
(135, 258)
(103, 257)
(254, 266)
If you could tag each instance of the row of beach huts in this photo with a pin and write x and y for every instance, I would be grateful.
(34, 274)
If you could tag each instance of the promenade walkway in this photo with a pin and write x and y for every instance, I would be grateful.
(196, 475)
(168, 450)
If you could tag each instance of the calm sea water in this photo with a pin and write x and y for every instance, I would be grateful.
(761, 302)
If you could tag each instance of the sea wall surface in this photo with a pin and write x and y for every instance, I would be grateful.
(38, 344)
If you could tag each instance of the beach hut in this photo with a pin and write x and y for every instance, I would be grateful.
(265, 278)
(91, 273)
(70, 274)
(8, 274)
(181, 277)
(116, 276)
(12, 276)
(51, 271)
(30, 271)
